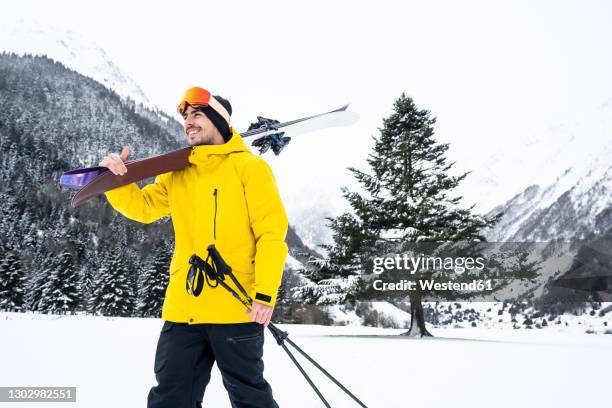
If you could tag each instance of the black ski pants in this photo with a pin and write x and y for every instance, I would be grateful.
(185, 355)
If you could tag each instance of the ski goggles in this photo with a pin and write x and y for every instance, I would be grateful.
(199, 97)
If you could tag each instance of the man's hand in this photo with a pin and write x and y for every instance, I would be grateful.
(114, 162)
(260, 313)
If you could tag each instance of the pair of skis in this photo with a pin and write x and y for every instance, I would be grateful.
(93, 181)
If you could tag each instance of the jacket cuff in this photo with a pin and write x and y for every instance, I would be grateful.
(264, 297)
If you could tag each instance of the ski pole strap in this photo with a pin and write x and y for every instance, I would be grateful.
(199, 272)
(213, 269)
(223, 269)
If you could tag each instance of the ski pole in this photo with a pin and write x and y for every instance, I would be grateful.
(280, 336)
(217, 272)
(272, 328)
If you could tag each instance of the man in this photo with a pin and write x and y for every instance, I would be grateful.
(228, 197)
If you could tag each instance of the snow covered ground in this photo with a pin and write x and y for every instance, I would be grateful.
(110, 361)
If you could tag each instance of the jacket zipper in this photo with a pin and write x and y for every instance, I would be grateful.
(215, 219)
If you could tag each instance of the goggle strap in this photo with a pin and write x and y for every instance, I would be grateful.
(216, 105)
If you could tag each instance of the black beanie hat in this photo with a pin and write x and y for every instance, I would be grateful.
(217, 120)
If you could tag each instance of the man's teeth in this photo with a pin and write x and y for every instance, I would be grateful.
(191, 132)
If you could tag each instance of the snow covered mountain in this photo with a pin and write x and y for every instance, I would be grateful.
(72, 50)
(89, 59)
(563, 175)
(570, 193)
(523, 177)
(527, 179)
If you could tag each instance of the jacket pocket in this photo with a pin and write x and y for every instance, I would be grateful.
(245, 338)
(245, 332)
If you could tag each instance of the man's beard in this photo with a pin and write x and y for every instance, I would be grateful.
(204, 140)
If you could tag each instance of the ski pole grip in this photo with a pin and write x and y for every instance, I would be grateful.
(222, 267)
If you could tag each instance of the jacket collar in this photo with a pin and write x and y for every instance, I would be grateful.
(201, 153)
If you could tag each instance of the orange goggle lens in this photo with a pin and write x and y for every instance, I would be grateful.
(195, 97)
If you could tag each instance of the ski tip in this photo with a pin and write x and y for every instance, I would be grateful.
(345, 107)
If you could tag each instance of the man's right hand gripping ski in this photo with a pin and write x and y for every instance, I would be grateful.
(115, 162)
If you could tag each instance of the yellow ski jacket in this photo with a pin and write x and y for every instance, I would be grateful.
(227, 196)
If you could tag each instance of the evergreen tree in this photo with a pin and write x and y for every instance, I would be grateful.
(34, 217)
(114, 293)
(9, 216)
(60, 292)
(12, 283)
(43, 262)
(153, 282)
(27, 231)
(87, 287)
(406, 198)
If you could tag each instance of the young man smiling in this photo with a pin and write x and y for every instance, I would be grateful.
(227, 196)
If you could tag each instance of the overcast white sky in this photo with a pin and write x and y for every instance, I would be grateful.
(491, 71)
(487, 69)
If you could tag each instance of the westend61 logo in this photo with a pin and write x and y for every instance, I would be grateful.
(429, 264)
